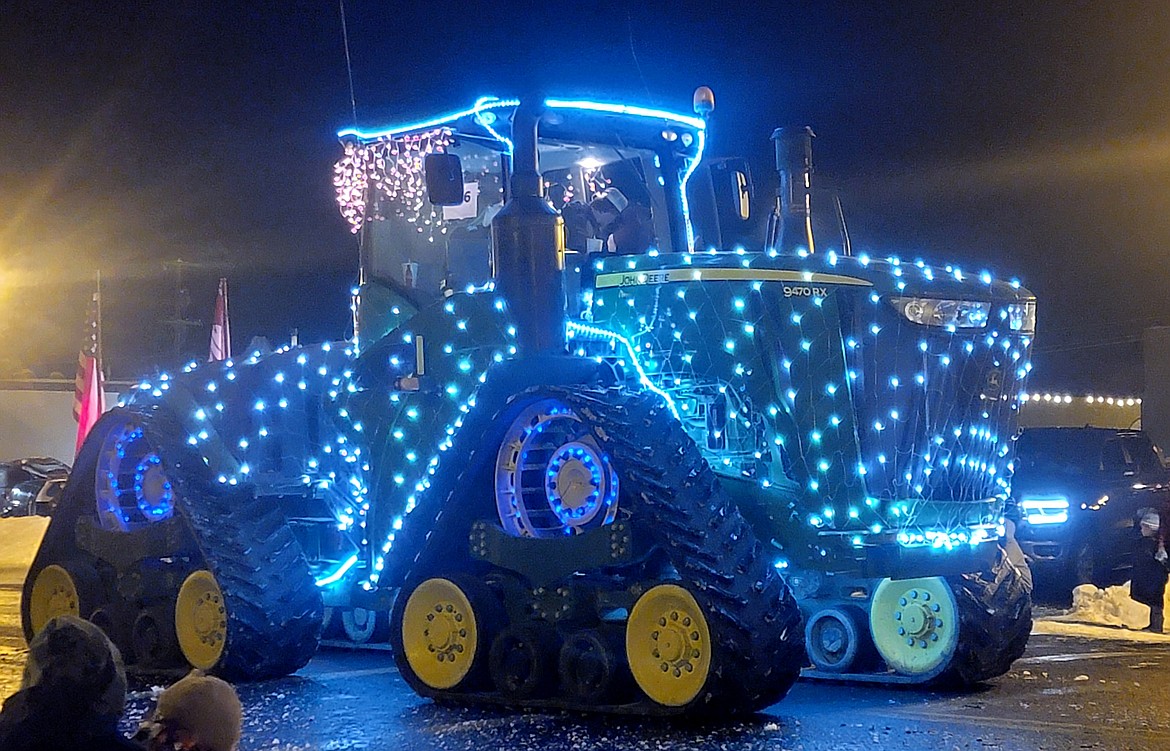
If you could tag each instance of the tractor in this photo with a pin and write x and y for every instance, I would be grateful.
(530, 526)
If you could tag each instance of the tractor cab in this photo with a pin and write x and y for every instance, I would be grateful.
(422, 197)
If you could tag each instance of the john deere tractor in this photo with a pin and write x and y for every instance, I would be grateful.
(861, 412)
(540, 526)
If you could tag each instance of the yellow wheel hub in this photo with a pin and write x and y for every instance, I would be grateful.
(440, 637)
(201, 620)
(668, 645)
(53, 593)
(915, 624)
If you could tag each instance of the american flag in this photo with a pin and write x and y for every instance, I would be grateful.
(221, 333)
(89, 398)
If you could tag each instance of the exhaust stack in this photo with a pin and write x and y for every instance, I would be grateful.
(528, 242)
(790, 226)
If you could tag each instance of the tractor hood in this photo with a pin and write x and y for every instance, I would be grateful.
(879, 396)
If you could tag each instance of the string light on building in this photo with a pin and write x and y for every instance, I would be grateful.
(1053, 398)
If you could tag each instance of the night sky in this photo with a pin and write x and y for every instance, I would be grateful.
(1032, 139)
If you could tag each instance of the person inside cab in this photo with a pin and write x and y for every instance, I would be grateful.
(624, 227)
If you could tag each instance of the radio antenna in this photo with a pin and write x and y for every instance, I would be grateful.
(348, 63)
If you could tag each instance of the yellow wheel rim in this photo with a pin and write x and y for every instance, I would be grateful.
(668, 645)
(201, 620)
(915, 624)
(53, 593)
(440, 636)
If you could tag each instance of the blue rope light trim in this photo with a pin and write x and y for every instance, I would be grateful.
(574, 327)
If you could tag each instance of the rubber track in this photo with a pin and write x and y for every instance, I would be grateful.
(674, 499)
(995, 621)
(753, 616)
(274, 607)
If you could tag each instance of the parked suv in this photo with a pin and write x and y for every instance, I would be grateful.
(30, 487)
(1076, 492)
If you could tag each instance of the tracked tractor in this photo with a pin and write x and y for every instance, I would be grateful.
(862, 414)
(542, 530)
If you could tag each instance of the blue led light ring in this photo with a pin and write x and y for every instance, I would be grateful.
(153, 492)
(547, 440)
(125, 462)
(546, 426)
(106, 479)
(564, 472)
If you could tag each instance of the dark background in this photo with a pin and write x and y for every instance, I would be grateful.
(1032, 139)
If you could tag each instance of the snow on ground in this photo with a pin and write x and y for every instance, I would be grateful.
(1086, 631)
(1102, 614)
(19, 540)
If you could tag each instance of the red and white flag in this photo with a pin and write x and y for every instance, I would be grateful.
(89, 394)
(221, 334)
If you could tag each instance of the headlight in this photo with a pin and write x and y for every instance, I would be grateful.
(1022, 316)
(961, 314)
(1045, 509)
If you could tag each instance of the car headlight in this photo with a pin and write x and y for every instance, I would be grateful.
(1051, 509)
(1021, 316)
(961, 314)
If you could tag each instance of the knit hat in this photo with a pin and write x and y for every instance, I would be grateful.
(75, 661)
(1150, 523)
(206, 707)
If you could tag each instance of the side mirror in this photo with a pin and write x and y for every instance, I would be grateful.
(443, 174)
(732, 180)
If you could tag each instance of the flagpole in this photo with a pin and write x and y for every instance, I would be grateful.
(98, 300)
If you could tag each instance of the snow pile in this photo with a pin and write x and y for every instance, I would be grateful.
(1108, 607)
(1056, 627)
(19, 540)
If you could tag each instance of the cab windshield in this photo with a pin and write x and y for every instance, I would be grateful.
(421, 249)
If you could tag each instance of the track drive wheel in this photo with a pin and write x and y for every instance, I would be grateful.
(915, 625)
(201, 620)
(441, 632)
(668, 645)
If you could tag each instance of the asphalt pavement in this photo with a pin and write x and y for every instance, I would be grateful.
(1066, 693)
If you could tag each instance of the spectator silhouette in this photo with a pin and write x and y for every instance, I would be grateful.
(1148, 583)
(198, 713)
(72, 693)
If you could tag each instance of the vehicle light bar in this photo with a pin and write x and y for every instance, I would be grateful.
(1045, 509)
